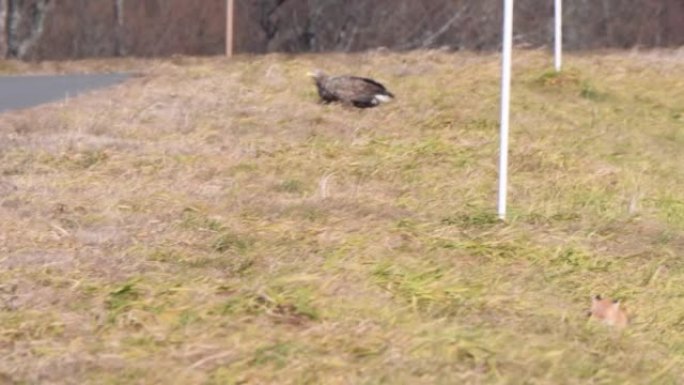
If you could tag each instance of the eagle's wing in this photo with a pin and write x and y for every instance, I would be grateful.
(373, 86)
(352, 88)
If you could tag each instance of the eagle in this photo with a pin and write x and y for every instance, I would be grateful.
(352, 90)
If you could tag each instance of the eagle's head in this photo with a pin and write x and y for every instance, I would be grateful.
(316, 74)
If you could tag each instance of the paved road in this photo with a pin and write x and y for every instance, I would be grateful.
(27, 91)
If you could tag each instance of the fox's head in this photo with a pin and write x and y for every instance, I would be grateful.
(608, 312)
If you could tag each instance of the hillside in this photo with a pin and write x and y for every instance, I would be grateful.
(210, 223)
(71, 29)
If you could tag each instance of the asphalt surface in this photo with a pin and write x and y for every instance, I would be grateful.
(17, 92)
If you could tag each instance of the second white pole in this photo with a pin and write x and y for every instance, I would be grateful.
(558, 46)
(505, 104)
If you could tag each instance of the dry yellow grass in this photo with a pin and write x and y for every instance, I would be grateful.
(210, 223)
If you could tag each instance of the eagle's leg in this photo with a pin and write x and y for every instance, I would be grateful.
(326, 100)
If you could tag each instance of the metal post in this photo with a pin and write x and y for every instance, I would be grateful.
(505, 104)
(559, 35)
(230, 27)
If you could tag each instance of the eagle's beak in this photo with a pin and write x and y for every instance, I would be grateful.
(311, 74)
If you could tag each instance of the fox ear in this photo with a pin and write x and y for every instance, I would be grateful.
(597, 297)
(616, 303)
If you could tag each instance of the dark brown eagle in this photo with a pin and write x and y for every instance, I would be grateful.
(357, 91)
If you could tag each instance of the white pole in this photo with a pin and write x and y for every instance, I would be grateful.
(505, 104)
(559, 35)
(230, 27)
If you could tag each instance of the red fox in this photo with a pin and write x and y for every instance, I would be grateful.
(608, 312)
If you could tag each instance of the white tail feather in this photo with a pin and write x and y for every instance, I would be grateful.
(383, 98)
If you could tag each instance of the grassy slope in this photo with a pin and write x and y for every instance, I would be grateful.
(210, 223)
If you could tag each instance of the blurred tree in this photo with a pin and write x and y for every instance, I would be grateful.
(3, 28)
(34, 29)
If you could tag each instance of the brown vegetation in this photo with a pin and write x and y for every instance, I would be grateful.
(211, 223)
